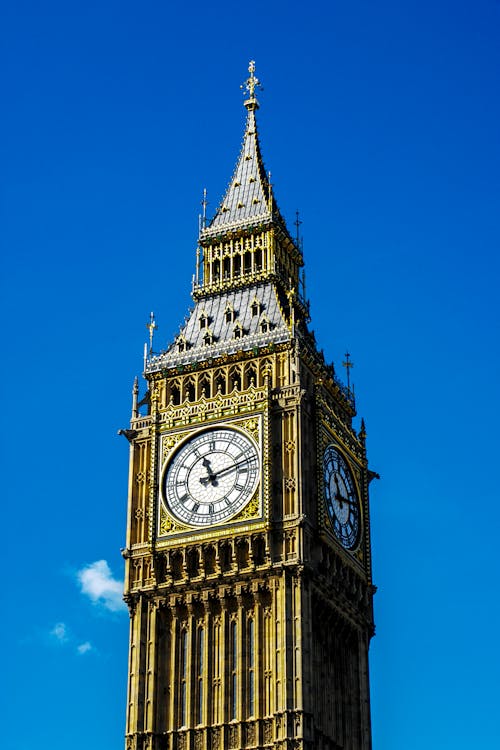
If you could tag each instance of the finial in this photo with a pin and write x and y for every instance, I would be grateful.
(249, 87)
(152, 328)
(135, 393)
(362, 432)
(348, 364)
(297, 227)
(204, 204)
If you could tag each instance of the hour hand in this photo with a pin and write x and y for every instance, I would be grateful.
(211, 476)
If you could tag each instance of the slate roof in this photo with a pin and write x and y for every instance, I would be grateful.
(222, 332)
(248, 198)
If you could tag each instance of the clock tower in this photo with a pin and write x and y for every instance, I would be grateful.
(248, 574)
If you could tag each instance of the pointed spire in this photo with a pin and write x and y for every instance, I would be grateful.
(135, 393)
(248, 198)
(362, 432)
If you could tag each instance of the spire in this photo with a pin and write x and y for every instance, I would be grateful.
(248, 198)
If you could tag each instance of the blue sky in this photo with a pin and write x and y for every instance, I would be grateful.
(380, 122)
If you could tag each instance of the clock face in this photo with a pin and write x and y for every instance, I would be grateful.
(211, 477)
(341, 497)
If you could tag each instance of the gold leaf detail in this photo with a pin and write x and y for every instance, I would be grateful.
(251, 510)
(168, 525)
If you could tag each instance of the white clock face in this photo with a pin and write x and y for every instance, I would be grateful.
(211, 477)
(341, 497)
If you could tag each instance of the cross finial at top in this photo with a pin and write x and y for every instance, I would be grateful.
(348, 364)
(250, 85)
(152, 327)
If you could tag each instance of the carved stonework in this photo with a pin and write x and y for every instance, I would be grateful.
(268, 731)
(169, 442)
(233, 737)
(168, 525)
(215, 733)
(250, 731)
(251, 509)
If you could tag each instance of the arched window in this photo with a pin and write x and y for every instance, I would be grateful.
(258, 260)
(215, 697)
(233, 681)
(235, 379)
(250, 667)
(220, 383)
(250, 375)
(183, 671)
(200, 644)
(204, 386)
(237, 264)
(190, 393)
(175, 394)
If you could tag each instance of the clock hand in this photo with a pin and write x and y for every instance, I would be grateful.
(211, 476)
(228, 469)
(340, 499)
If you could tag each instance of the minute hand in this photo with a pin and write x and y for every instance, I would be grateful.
(229, 469)
(340, 499)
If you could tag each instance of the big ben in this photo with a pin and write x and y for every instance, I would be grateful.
(248, 569)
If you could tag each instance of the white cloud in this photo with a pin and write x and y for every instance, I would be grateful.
(60, 632)
(97, 582)
(83, 648)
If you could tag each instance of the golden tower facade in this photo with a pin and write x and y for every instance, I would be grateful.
(248, 574)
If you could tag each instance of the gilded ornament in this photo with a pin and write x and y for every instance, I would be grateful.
(167, 525)
(249, 511)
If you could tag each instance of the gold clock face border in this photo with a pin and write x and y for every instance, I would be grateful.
(251, 510)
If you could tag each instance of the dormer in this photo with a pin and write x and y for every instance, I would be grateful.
(264, 324)
(182, 343)
(203, 319)
(208, 337)
(238, 331)
(229, 314)
(256, 307)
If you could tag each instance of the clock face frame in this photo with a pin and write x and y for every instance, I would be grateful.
(341, 498)
(211, 476)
